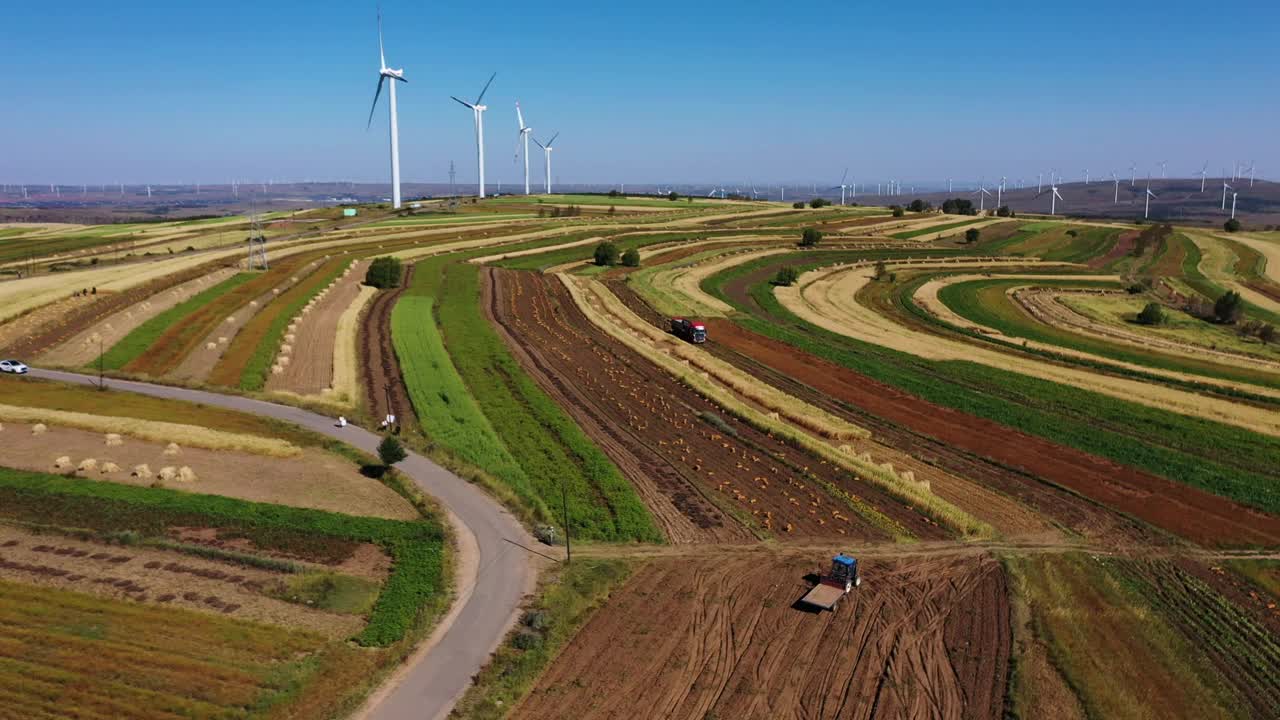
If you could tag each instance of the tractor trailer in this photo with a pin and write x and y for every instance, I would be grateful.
(834, 585)
(691, 330)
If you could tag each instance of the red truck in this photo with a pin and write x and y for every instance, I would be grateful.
(691, 330)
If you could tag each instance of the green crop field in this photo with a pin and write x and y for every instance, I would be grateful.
(908, 234)
(128, 348)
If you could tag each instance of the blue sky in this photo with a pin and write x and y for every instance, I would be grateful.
(656, 92)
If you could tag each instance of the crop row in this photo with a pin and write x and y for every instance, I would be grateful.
(416, 548)
(1226, 460)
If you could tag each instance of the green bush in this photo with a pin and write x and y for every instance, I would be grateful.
(390, 451)
(786, 276)
(971, 235)
(631, 258)
(810, 237)
(897, 211)
(1229, 308)
(1152, 314)
(1232, 225)
(798, 205)
(819, 202)
(606, 254)
(383, 273)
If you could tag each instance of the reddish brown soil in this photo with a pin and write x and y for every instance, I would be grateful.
(1193, 514)
(719, 637)
(1124, 245)
(378, 364)
(653, 425)
(95, 309)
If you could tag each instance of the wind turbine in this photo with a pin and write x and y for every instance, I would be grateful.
(478, 110)
(1163, 163)
(1115, 200)
(1086, 176)
(842, 186)
(1146, 211)
(1053, 199)
(1133, 173)
(1225, 188)
(1000, 192)
(523, 137)
(1233, 204)
(1204, 172)
(546, 155)
(385, 72)
(982, 197)
(1039, 183)
(1252, 166)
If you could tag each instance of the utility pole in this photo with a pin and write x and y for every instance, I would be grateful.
(452, 173)
(568, 545)
(102, 385)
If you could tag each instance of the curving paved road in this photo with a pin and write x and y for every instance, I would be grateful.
(493, 574)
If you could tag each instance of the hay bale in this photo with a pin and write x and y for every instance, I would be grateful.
(908, 475)
(211, 346)
(286, 348)
(63, 462)
(114, 439)
(231, 318)
(284, 361)
(172, 449)
(1, 427)
(290, 337)
(186, 474)
(109, 467)
(87, 465)
(39, 429)
(167, 473)
(142, 471)
(222, 339)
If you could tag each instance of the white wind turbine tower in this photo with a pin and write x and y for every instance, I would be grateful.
(1163, 163)
(1233, 204)
(478, 110)
(1204, 173)
(1115, 200)
(1086, 176)
(1133, 173)
(842, 186)
(1225, 188)
(385, 72)
(982, 196)
(1000, 192)
(1146, 211)
(546, 155)
(1252, 166)
(523, 137)
(1054, 197)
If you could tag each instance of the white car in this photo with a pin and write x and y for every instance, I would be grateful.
(13, 366)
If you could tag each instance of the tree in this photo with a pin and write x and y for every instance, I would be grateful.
(819, 202)
(673, 196)
(897, 211)
(798, 205)
(810, 237)
(613, 193)
(390, 451)
(606, 254)
(383, 273)
(1004, 211)
(1229, 307)
(1152, 314)
(613, 210)
(918, 205)
(971, 235)
(1232, 225)
(631, 258)
(959, 206)
(880, 270)
(786, 276)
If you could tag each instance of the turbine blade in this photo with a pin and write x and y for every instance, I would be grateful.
(373, 107)
(519, 116)
(382, 56)
(845, 175)
(553, 139)
(486, 88)
(535, 142)
(463, 102)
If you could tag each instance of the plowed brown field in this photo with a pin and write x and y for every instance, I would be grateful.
(379, 367)
(718, 637)
(1193, 514)
(696, 466)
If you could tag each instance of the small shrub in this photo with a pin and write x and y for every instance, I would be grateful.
(606, 254)
(786, 276)
(971, 235)
(1135, 289)
(383, 273)
(1073, 233)
(390, 451)
(1152, 314)
(810, 237)
(798, 205)
(631, 258)
(897, 211)
(527, 640)
(1232, 225)
(819, 202)
(1229, 307)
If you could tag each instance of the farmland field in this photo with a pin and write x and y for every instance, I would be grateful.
(1058, 512)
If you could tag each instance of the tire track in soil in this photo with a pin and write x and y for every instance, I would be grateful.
(379, 367)
(720, 637)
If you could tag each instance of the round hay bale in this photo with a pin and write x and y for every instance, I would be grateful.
(62, 462)
(286, 348)
(186, 474)
(253, 303)
(211, 346)
(167, 473)
(275, 291)
(109, 467)
(39, 429)
(87, 465)
(172, 449)
(143, 471)
(276, 369)
(1, 426)
(114, 439)
(231, 318)
(223, 339)
(290, 337)
(284, 361)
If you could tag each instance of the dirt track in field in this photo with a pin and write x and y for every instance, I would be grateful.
(1199, 516)
(310, 369)
(695, 473)
(379, 368)
(691, 639)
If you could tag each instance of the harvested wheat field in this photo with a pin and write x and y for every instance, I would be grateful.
(150, 575)
(690, 639)
(311, 479)
(85, 346)
(309, 370)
